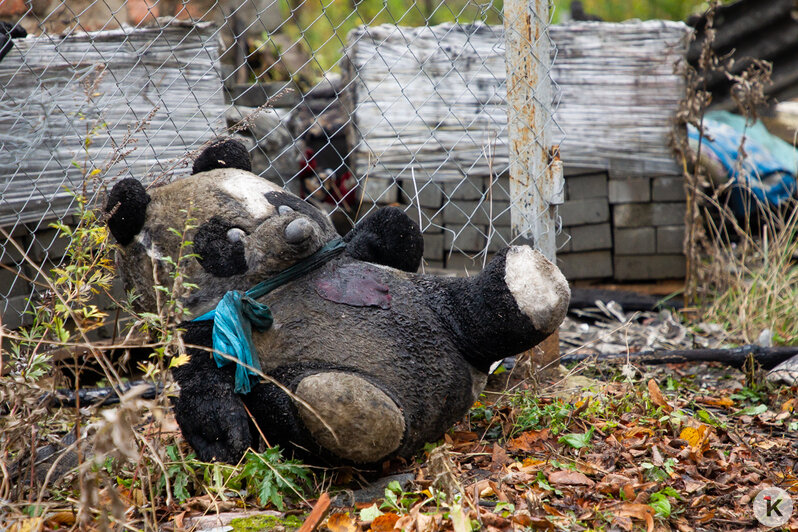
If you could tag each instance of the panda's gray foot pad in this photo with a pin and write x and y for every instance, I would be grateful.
(368, 425)
(785, 373)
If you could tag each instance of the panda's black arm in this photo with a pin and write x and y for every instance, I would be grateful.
(388, 237)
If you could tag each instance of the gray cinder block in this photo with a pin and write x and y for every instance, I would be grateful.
(13, 310)
(474, 212)
(670, 239)
(586, 187)
(668, 189)
(12, 284)
(462, 264)
(635, 241)
(429, 193)
(590, 237)
(467, 189)
(649, 267)
(434, 246)
(586, 265)
(630, 190)
(381, 191)
(48, 244)
(465, 238)
(562, 241)
(648, 214)
(584, 212)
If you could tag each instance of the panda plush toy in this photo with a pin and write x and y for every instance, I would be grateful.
(366, 360)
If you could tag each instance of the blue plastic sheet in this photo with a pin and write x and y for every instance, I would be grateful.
(764, 170)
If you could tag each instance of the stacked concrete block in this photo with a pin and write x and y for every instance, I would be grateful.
(648, 227)
(585, 242)
(621, 228)
(24, 273)
(463, 221)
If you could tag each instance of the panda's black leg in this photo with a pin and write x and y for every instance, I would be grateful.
(210, 414)
(225, 153)
(389, 237)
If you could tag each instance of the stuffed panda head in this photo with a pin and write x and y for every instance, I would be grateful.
(240, 229)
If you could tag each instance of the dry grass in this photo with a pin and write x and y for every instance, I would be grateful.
(755, 279)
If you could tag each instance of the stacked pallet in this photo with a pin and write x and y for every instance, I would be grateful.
(170, 71)
(429, 117)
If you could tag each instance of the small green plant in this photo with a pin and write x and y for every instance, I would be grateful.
(543, 483)
(532, 414)
(397, 500)
(267, 476)
(660, 502)
(576, 440)
(659, 474)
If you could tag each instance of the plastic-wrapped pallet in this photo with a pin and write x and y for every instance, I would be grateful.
(429, 113)
(83, 95)
(171, 72)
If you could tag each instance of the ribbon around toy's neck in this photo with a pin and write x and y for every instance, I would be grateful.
(237, 313)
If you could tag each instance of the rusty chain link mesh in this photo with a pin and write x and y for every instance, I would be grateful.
(353, 105)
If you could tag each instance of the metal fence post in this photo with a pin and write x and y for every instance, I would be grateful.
(535, 182)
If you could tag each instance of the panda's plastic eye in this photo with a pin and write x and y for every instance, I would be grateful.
(284, 209)
(235, 234)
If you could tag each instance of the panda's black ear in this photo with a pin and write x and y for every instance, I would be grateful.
(127, 206)
(388, 237)
(227, 153)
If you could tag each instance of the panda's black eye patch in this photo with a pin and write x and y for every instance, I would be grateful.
(279, 199)
(220, 248)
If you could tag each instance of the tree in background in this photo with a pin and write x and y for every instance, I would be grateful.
(619, 10)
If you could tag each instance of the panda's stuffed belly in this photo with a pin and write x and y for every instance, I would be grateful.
(403, 349)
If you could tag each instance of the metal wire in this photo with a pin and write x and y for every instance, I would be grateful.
(370, 104)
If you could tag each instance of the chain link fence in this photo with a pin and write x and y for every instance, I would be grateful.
(352, 105)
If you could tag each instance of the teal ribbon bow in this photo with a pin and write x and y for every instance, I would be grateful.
(237, 314)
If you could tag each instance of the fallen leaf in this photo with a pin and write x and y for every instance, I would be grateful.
(341, 522)
(697, 438)
(460, 521)
(570, 478)
(66, 519)
(532, 463)
(491, 519)
(178, 519)
(705, 517)
(527, 441)
(613, 483)
(691, 486)
(636, 432)
(789, 405)
(384, 522)
(370, 514)
(31, 524)
(499, 458)
(642, 512)
(715, 401)
(656, 396)
(425, 523)
(551, 510)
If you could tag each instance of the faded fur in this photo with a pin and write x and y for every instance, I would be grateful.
(410, 349)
